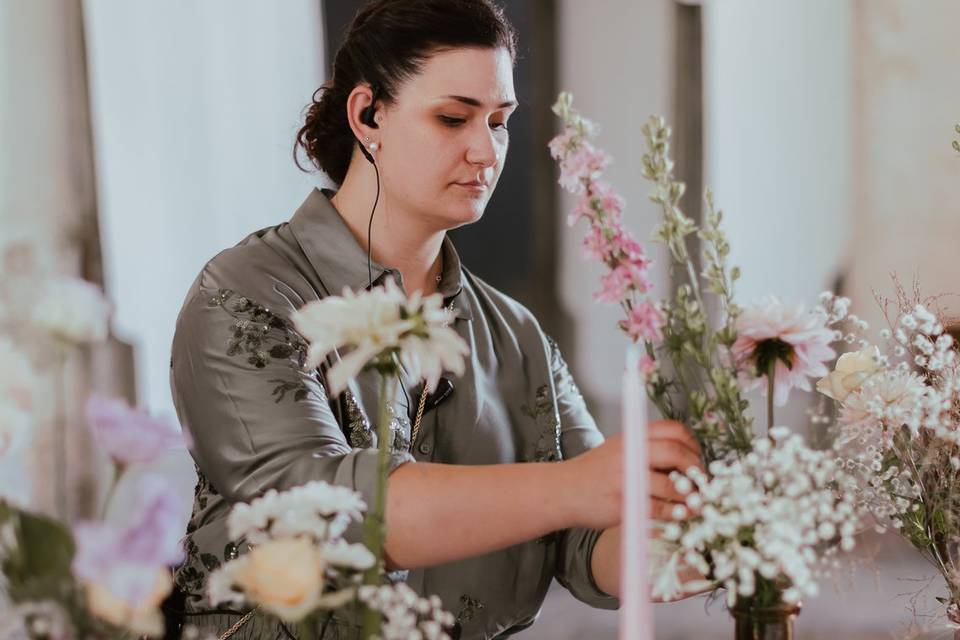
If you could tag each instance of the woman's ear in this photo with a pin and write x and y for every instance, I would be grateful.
(361, 113)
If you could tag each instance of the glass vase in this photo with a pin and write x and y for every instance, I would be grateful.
(765, 623)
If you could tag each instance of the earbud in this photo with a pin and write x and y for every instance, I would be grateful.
(368, 117)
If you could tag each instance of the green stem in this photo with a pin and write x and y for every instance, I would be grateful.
(118, 470)
(771, 377)
(60, 436)
(374, 530)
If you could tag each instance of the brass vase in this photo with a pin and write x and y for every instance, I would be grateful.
(765, 623)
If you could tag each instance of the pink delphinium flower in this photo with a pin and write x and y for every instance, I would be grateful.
(582, 164)
(129, 435)
(644, 322)
(618, 282)
(607, 240)
(796, 340)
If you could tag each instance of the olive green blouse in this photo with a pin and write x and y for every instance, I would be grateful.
(259, 420)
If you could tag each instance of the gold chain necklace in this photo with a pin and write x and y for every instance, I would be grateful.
(415, 431)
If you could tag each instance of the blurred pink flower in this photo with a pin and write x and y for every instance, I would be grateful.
(615, 284)
(644, 322)
(797, 340)
(584, 163)
(647, 365)
(130, 435)
(596, 246)
(123, 558)
(558, 145)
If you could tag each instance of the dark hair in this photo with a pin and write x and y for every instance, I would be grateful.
(388, 42)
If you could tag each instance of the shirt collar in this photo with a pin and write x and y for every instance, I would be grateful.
(340, 261)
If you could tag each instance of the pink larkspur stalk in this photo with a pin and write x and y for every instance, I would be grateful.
(607, 240)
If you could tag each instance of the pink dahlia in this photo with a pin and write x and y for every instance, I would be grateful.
(796, 342)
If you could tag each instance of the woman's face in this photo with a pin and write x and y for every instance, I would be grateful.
(443, 140)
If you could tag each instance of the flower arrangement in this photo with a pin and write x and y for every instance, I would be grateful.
(898, 431)
(94, 578)
(770, 512)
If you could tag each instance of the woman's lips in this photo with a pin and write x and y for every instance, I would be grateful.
(473, 186)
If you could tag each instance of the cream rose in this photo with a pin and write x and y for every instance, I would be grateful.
(852, 371)
(284, 576)
(144, 619)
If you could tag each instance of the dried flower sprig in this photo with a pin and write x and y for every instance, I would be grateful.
(898, 430)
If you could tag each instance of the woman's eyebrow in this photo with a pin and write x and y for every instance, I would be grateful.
(473, 102)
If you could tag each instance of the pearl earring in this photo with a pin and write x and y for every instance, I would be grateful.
(374, 146)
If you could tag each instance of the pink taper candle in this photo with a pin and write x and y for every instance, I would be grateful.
(636, 614)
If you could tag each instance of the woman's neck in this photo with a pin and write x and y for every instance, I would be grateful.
(400, 240)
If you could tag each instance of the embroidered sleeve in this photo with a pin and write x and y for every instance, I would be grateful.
(257, 418)
(260, 337)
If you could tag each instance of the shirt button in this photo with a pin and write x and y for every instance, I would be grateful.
(424, 448)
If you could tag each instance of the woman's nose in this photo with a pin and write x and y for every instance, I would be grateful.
(484, 148)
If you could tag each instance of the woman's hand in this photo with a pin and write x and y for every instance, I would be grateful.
(597, 475)
(671, 447)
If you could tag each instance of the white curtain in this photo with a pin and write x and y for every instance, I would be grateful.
(195, 108)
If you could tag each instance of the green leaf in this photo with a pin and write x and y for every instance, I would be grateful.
(41, 568)
(939, 522)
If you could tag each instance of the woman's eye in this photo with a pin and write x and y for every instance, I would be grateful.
(451, 122)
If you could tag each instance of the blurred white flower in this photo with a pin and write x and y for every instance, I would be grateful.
(144, 619)
(853, 369)
(376, 323)
(18, 383)
(298, 562)
(73, 311)
(405, 614)
(341, 553)
(284, 576)
(316, 509)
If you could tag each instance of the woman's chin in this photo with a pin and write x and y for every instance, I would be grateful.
(464, 211)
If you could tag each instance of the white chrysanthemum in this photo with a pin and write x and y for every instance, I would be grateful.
(73, 310)
(379, 321)
(316, 509)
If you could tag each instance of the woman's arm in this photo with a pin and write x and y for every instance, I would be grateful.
(439, 513)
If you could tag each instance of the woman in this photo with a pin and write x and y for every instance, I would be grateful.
(427, 87)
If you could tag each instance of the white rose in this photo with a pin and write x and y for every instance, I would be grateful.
(852, 371)
(284, 576)
(144, 619)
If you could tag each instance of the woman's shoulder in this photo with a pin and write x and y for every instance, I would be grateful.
(498, 307)
(264, 268)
